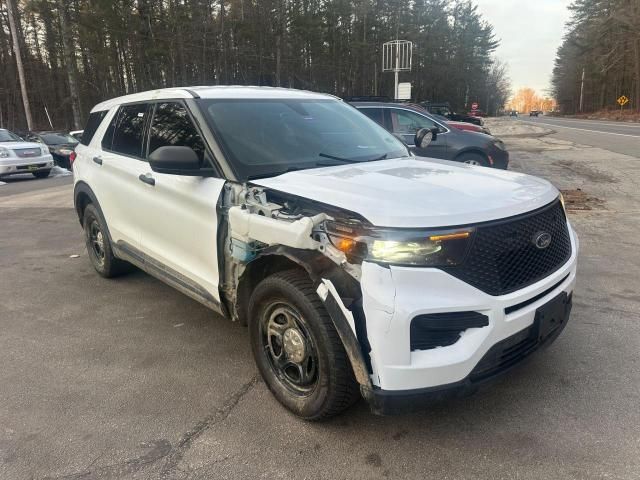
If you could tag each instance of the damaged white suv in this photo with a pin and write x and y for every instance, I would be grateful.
(359, 269)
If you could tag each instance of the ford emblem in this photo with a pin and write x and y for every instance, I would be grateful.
(542, 240)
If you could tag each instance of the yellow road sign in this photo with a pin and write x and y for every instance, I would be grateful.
(623, 100)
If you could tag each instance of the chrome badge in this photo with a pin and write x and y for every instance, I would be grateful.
(542, 240)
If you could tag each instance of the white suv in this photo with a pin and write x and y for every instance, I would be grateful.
(18, 156)
(353, 263)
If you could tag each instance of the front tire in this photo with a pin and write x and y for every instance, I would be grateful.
(297, 349)
(99, 247)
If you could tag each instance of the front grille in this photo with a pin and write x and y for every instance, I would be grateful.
(505, 354)
(504, 258)
(28, 152)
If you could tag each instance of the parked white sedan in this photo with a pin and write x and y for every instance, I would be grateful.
(18, 156)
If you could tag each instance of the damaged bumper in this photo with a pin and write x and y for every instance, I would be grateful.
(404, 379)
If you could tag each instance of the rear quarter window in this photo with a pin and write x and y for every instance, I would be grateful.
(94, 121)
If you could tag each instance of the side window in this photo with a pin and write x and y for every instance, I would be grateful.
(94, 121)
(408, 123)
(127, 129)
(375, 114)
(172, 126)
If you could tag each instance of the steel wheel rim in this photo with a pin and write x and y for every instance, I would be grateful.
(472, 162)
(289, 348)
(96, 242)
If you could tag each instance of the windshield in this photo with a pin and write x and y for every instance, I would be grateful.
(57, 138)
(7, 136)
(266, 137)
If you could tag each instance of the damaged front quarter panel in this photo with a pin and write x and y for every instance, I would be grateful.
(267, 232)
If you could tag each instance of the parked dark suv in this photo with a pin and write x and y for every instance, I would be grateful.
(61, 145)
(448, 143)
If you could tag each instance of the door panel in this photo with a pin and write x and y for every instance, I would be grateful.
(180, 226)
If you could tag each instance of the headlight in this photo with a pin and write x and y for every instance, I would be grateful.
(44, 150)
(4, 152)
(431, 248)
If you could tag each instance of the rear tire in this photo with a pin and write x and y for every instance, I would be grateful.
(99, 247)
(473, 159)
(41, 173)
(297, 349)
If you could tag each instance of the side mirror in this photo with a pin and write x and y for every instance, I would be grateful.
(424, 137)
(175, 161)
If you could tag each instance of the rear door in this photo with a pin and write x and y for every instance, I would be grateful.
(179, 228)
(120, 163)
(407, 122)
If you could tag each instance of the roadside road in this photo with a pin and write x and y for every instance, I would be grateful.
(619, 137)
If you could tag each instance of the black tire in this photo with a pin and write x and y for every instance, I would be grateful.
(98, 246)
(473, 158)
(41, 173)
(288, 302)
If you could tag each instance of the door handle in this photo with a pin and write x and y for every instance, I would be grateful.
(97, 160)
(148, 179)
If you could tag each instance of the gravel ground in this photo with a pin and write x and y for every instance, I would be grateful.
(128, 379)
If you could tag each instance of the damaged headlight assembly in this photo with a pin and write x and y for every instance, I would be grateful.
(412, 247)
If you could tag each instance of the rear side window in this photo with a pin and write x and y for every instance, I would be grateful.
(126, 131)
(172, 126)
(94, 121)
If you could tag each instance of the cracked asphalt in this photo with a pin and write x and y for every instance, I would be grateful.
(129, 379)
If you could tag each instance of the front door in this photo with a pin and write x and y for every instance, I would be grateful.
(180, 225)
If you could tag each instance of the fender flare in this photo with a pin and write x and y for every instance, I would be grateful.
(82, 188)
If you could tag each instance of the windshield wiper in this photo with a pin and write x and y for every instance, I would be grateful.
(291, 168)
(340, 159)
(351, 160)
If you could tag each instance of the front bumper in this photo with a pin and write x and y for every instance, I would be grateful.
(13, 165)
(500, 158)
(393, 296)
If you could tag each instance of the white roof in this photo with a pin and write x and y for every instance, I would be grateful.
(220, 91)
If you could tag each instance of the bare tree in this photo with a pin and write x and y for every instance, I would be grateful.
(18, 55)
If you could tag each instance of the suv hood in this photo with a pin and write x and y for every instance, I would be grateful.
(418, 192)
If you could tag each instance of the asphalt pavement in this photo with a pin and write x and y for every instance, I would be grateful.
(129, 379)
(619, 137)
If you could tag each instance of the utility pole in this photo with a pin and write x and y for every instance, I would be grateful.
(16, 52)
(582, 90)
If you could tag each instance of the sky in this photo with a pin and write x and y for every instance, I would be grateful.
(530, 32)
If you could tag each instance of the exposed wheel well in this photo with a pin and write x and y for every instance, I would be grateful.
(254, 273)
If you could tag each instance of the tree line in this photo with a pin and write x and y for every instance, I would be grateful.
(603, 44)
(76, 53)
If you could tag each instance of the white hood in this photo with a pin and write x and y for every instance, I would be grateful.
(418, 192)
